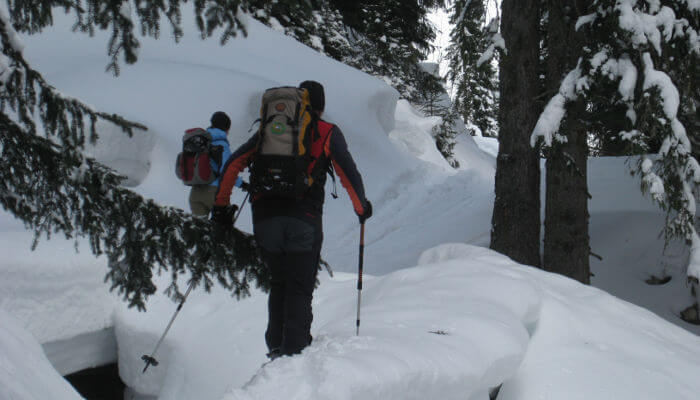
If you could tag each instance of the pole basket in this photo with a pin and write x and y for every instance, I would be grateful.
(149, 361)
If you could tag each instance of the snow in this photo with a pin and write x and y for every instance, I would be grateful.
(441, 317)
(693, 5)
(476, 154)
(488, 145)
(25, 373)
(6, 67)
(628, 72)
(669, 93)
(460, 323)
(694, 263)
(57, 298)
(497, 42)
(57, 295)
(125, 10)
(573, 356)
(339, 364)
(13, 38)
(548, 123)
(129, 156)
(585, 19)
(643, 27)
(412, 135)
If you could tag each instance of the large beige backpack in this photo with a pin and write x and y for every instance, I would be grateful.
(281, 165)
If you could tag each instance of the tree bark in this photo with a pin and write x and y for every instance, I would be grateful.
(516, 212)
(566, 241)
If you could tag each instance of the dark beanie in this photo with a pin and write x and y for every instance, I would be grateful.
(220, 120)
(318, 98)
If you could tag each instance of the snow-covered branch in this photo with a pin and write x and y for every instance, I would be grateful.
(629, 62)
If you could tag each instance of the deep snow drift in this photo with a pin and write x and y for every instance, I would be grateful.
(465, 320)
(493, 312)
(25, 373)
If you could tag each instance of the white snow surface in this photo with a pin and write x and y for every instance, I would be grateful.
(463, 321)
(25, 373)
(493, 321)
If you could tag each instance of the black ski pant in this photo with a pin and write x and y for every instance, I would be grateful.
(291, 248)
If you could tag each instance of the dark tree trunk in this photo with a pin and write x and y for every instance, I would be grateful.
(566, 242)
(516, 211)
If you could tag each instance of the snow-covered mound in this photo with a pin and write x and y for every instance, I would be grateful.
(129, 156)
(464, 321)
(487, 144)
(57, 294)
(625, 230)
(25, 373)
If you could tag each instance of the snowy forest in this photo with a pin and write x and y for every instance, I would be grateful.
(532, 168)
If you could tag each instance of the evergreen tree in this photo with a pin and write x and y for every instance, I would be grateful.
(515, 227)
(52, 187)
(445, 135)
(516, 212)
(434, 101)
(566, 240)
(474, 78)
(636, 56)
(386, 39)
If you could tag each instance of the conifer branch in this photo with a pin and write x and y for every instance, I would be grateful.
(53, 191)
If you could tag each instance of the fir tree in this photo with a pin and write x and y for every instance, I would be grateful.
(474, 78)
(445, 136)
(384, 39)
(566, 241)
(636, 56)
(434, 101)
(52, 187)
(515, 224)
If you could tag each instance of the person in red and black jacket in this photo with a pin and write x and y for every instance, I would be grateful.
(290, 233)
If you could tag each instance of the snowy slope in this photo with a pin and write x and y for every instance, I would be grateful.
(462, 322)
(625, 230)
(25, 373)
(177, 86)
(174, 87)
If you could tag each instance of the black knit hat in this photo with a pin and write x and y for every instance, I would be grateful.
(220, 120)
(318, 97)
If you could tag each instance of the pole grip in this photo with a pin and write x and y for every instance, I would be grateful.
(361, 260)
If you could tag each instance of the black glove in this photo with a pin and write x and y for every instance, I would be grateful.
(245, 186)
(367, 214)
(223, 215)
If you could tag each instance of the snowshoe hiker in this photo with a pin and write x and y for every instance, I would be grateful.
(289, 157)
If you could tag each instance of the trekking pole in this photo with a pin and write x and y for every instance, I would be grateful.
(359, 274)
(241, 208)
(151, 360)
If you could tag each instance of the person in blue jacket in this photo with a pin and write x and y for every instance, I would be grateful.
(202, 196)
